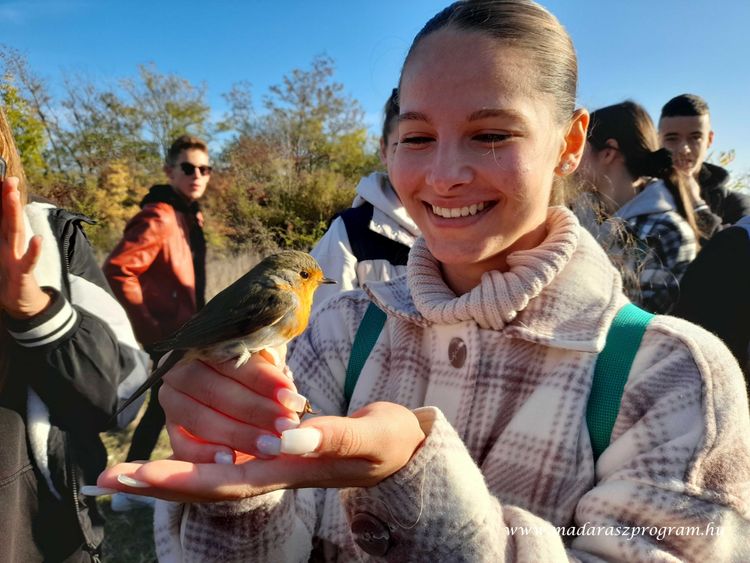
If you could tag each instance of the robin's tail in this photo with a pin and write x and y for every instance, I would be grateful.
(155, 376)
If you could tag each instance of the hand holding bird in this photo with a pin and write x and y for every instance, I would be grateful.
(265, 308)
(224, 423)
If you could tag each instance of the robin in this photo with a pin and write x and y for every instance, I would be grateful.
(266, 307)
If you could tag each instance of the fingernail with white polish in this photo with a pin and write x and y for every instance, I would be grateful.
(130, 482)
(300, 441)
(282, 424)
(291, 400)
(223, 458)
(94, 491)
(268, 445)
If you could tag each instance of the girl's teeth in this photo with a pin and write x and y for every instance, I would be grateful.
(452, 212)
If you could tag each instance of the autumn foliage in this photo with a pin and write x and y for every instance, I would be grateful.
(281, 170)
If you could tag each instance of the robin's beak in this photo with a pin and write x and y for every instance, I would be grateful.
(327, 280)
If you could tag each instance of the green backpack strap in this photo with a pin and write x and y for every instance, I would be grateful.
(611, 373)
(367, 334)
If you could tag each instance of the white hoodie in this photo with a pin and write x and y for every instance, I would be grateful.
(334, 251)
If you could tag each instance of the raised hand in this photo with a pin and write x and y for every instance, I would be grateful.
(20, 294)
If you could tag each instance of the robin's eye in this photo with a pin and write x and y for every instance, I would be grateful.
(304, 274)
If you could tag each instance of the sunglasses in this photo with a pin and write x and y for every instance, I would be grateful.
(189, 169)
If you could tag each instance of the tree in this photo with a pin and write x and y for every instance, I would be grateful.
(295, 166)
(308, 114)
(168, 106)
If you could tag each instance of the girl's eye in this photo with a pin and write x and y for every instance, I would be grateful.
(490, 138)
(416, 140)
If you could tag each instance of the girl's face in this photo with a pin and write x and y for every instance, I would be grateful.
(477, 151)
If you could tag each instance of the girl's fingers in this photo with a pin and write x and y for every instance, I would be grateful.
(187, 447)
(260, 373)
(31, 257)
(374, 433)
(211, 425)
(188, 482)
(233, 399)
(257, 375)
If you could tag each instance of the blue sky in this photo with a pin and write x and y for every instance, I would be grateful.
(645, 50)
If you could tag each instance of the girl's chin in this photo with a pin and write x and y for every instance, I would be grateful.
(461, 255)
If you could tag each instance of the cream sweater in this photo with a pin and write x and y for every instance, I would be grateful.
(499, 379)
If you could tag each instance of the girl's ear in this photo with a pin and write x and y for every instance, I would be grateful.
(383, 154)
(574, 143)
(610, 151)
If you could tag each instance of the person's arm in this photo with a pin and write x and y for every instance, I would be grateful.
(79, 354)
(671, 247)
(140, 246)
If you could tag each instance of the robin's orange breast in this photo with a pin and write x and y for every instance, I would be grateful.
(302, 310)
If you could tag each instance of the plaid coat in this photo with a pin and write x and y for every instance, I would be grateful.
(499, 379)
(665, 242)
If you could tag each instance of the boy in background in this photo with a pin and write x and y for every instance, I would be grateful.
(685, 130)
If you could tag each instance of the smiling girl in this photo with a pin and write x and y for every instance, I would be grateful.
(465, 438)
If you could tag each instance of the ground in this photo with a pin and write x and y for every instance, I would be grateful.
(128, 536)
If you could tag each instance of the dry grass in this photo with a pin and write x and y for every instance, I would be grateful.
(223, 270)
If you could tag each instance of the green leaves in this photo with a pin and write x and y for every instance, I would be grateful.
(280, 174)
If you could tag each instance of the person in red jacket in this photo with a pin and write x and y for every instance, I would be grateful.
(157, 270)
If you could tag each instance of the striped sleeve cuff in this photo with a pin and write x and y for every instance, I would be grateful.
(52, 324)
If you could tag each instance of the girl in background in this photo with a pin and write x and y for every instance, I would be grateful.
(645, 214)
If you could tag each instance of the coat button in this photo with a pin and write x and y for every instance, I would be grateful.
(371, 534)
(457, 352)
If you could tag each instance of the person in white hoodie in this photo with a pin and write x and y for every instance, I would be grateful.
(646, 218)
(371, 239)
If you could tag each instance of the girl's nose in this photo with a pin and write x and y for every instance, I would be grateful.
(449, 168)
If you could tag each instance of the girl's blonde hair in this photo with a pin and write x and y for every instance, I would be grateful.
(9, 152)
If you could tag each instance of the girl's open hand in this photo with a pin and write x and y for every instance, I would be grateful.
(20, 294)
(356, 451)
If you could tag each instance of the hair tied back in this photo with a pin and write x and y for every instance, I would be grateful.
(658, 163)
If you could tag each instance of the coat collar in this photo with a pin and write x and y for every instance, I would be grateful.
(572, 310)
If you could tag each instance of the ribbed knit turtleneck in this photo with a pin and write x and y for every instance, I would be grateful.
(500, 296)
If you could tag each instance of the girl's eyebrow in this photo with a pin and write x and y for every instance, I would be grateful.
(413, 116)
(491, 112)
(475, 116)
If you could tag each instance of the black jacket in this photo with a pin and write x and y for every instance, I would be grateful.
(715, 291)
(69, 368)
(730, 205)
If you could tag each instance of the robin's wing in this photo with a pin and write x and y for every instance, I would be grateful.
(226, 317)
